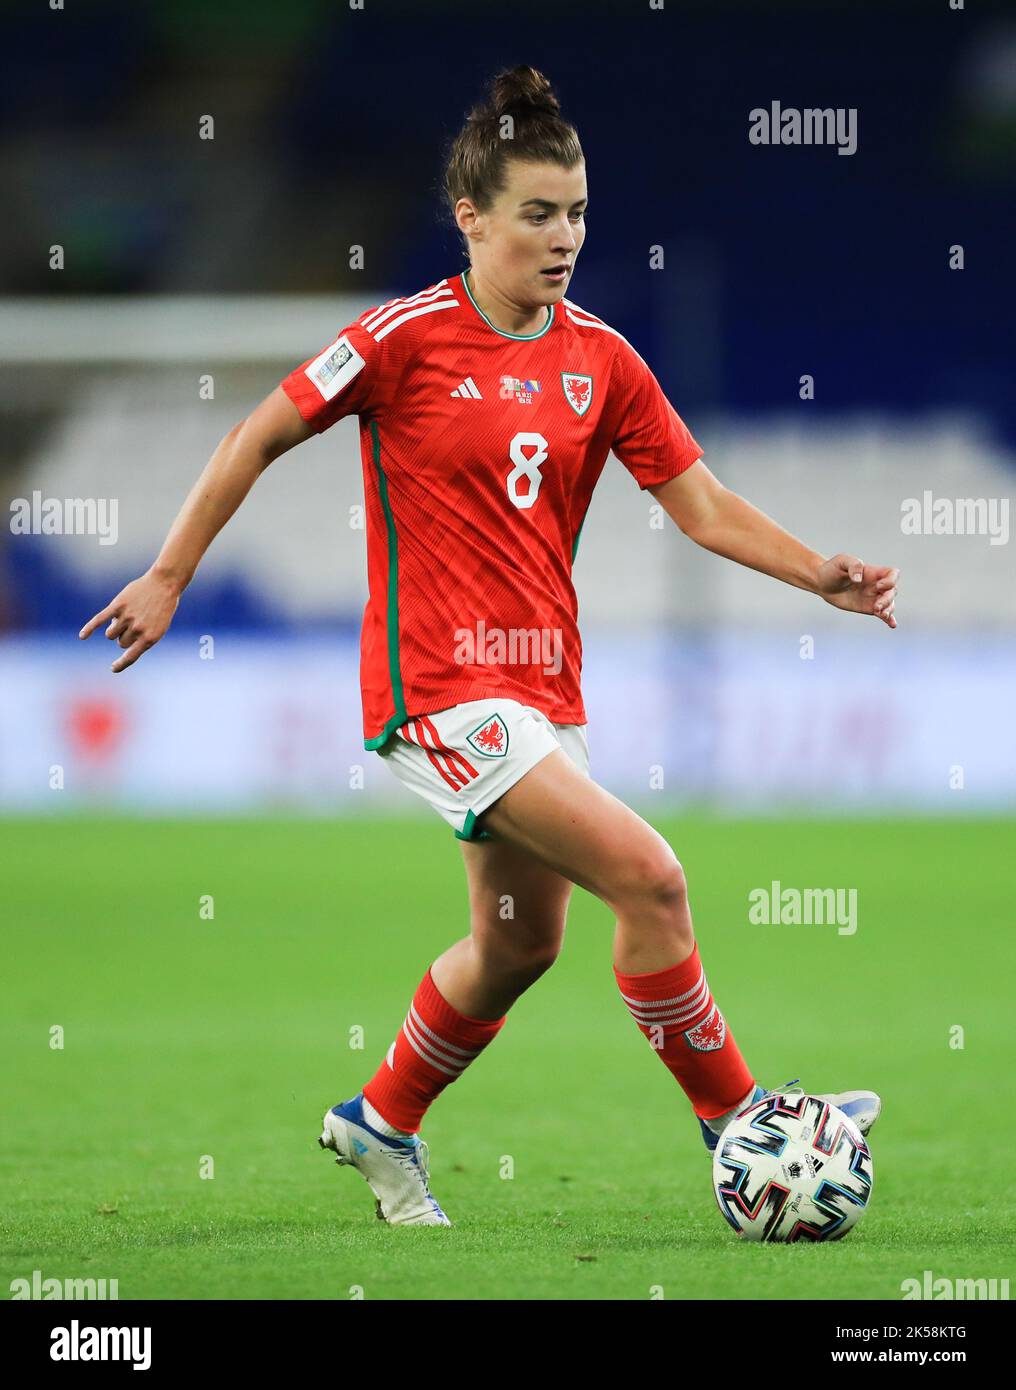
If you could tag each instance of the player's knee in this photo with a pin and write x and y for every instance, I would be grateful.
(525, 956)
(539, 958)
(655, 881)
(668, 887)
(537, 950)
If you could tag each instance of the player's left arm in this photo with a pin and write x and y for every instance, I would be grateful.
(723, 522)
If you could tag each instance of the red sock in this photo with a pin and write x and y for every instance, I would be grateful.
(434, 1046)
(675, 1010)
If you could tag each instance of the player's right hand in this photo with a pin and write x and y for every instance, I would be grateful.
(138, 616)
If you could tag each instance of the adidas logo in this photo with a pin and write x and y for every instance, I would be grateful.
(468, 389)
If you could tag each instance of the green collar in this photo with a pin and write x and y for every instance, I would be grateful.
(521, 337)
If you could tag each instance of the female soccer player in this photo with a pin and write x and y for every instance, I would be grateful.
(487, 406)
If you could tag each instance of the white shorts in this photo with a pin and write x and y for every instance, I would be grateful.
(461, 759)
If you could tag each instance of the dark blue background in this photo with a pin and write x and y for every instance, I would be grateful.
(330, 127)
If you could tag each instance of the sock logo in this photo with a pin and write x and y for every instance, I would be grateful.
(710, 1034)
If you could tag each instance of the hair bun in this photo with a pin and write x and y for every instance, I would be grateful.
(477, 161)
(523, 90)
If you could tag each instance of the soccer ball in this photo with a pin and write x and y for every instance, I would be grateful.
(792, 1167)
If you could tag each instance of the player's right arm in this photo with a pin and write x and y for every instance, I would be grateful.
(350, 376)
(141, 613)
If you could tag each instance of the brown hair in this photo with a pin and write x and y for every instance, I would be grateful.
(476, 164)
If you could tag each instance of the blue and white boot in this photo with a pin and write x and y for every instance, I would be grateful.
(395, 1169)
(863, 1107)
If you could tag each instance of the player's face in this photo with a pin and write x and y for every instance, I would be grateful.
(534, 232)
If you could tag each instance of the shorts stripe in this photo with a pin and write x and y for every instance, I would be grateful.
(407, 732)
(452, 752)
(436, 749)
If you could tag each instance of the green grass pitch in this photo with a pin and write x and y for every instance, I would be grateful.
(186, 1037)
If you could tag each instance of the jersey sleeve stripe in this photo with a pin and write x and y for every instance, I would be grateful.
(377, 316)
(586, 320)
(414, 314)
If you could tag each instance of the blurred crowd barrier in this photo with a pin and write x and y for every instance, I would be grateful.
(736, 719)
(704, 681)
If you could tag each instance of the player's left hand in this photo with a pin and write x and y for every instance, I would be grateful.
(846, 582)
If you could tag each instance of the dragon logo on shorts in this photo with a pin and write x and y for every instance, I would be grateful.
(709, 1035)
(490, 738)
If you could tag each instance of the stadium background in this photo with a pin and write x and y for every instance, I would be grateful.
(191, 261)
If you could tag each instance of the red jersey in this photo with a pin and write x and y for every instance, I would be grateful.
(480, 452)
